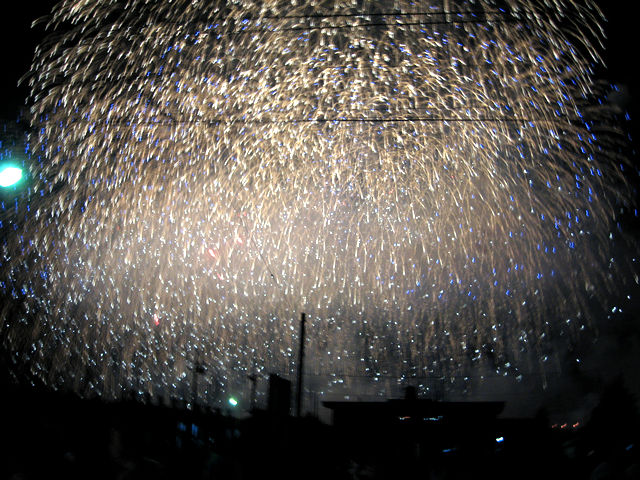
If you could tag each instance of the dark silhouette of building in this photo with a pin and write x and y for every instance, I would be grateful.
(279, 401)
(411, 433)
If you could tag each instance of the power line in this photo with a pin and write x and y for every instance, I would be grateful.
(217, 121)
(388, 14)
(433, 377)
(379, 24)
(448, 19)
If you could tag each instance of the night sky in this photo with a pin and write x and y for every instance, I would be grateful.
(19, 41)
(616, 351)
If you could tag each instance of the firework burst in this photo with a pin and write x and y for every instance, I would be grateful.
(426, 180)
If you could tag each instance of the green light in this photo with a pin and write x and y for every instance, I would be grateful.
(10, 175)
(233, 402)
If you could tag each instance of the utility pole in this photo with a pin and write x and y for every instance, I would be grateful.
(198, 369)
(300, 366)
(253, 379)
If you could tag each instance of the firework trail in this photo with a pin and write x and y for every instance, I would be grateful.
(432, 182)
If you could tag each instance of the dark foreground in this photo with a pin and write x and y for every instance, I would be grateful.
(51, 435)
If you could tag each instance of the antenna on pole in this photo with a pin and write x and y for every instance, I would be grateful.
(300, 366)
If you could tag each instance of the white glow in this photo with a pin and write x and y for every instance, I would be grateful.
(10, 176)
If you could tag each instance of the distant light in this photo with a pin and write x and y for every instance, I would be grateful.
(233, 402)
(499, 439)
(10, 176)
(433, 419)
